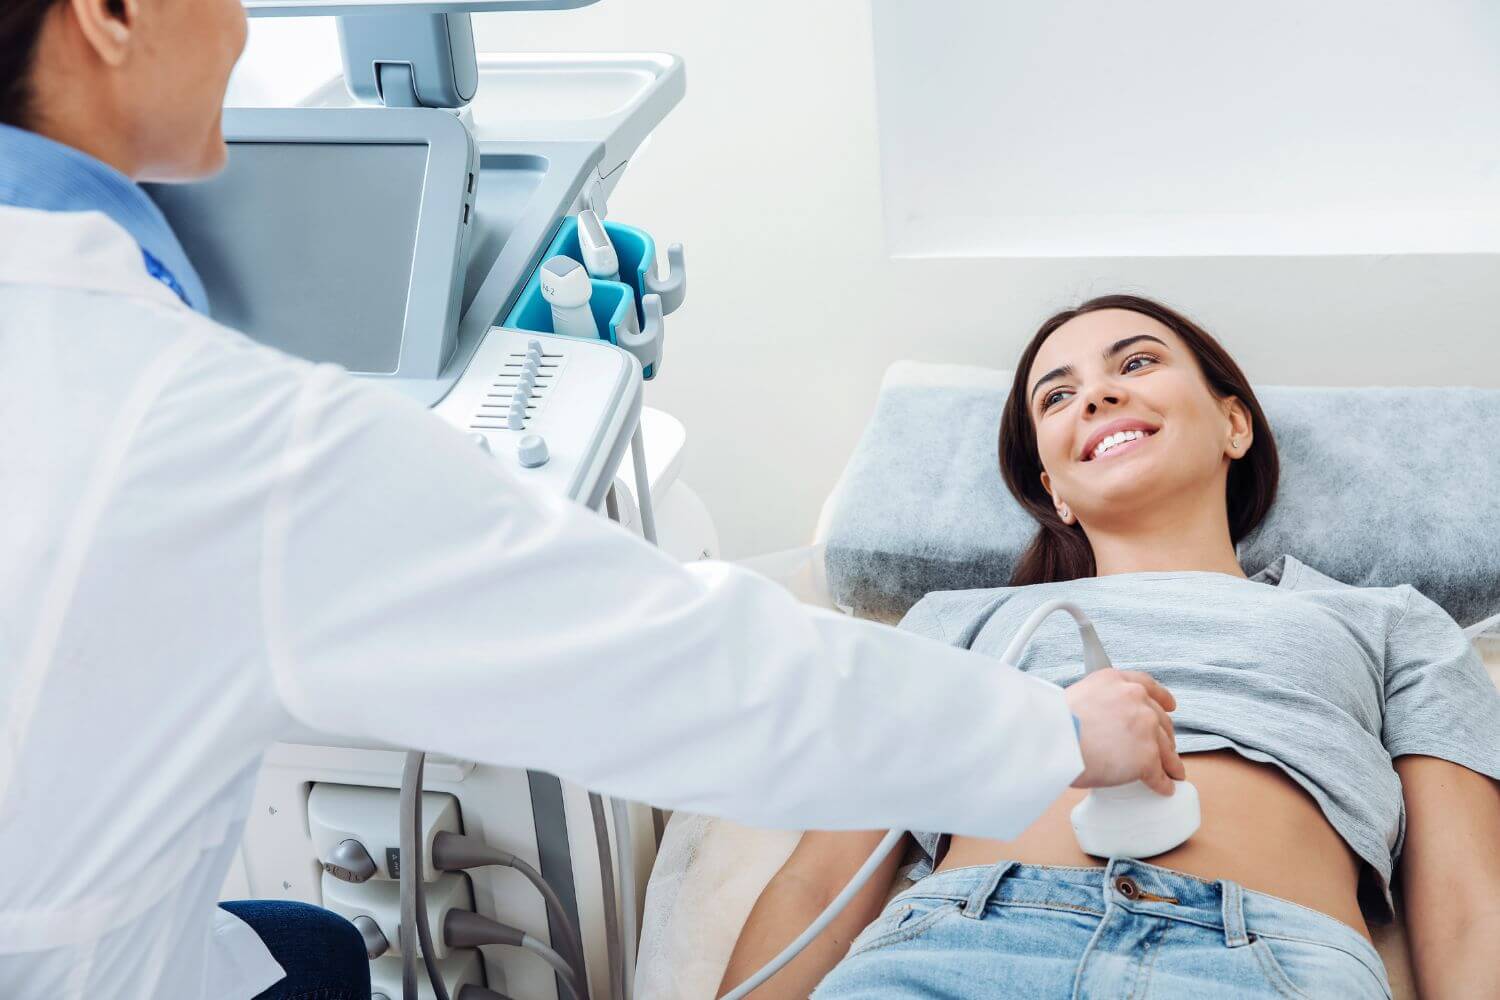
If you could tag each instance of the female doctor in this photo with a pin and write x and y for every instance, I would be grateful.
(204, 542)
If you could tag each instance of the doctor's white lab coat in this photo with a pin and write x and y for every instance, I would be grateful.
(204, 542)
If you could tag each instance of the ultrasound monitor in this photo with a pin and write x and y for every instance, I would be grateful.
(336, 234)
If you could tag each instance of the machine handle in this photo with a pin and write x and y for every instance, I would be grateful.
(647, 344)
(672, 288)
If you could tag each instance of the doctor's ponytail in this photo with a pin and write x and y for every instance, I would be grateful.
(20, 29)
(1061, 551)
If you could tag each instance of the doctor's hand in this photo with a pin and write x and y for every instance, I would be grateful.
(1125, 733)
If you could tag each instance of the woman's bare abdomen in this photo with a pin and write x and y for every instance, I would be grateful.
(1260, 829)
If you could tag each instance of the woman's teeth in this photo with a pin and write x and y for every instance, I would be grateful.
(1115, 440)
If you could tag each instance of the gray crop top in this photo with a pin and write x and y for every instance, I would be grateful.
(1326, 681)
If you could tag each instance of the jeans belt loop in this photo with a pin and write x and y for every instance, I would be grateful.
(973, 907)
(1235, 933)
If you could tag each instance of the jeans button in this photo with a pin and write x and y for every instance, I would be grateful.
(1127, 887)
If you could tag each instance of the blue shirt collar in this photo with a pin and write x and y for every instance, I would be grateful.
(37, 173)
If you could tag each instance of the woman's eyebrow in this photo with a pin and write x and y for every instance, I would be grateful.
(1062, 371)
(1120, 345)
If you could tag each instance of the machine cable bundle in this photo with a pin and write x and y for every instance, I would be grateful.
(452, 852)
(463, 929)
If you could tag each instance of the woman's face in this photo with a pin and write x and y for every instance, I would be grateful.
(1125, 420)
(182, 57)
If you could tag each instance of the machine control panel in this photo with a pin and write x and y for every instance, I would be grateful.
(562, 406)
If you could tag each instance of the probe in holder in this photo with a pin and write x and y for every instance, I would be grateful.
(596, 248)
(629, 299)
(567, 288)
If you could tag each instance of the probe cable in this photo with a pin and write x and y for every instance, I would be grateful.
(629, 929)
(830, 913)
(413, 889)
(612, 940)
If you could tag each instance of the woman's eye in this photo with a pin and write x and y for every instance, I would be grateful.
(1053, 397)
(1144, 359)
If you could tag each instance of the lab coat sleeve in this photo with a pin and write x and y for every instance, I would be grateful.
(416, 592)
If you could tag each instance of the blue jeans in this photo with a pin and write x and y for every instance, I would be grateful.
(322, 953)
(1129, 930)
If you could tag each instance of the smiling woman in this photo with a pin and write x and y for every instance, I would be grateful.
(1141, 341)
(1330, 730)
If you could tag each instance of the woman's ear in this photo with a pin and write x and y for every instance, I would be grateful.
(1240, 426)
(1064, 514)
(107, 26)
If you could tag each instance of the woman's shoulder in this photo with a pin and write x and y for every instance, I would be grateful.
(1372, 609)
(1289, 573)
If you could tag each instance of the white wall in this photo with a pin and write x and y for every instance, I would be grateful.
(1193, 129)
(768, 172)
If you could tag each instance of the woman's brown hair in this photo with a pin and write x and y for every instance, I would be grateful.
(1060, 551)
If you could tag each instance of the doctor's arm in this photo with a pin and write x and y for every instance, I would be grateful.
(416, 593)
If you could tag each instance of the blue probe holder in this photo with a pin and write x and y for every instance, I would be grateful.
(609, 300)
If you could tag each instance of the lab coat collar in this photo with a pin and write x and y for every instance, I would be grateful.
(81, 250)
(38, 172)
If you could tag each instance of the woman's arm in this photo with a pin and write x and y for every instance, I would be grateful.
(819, 868)
(1450, 876)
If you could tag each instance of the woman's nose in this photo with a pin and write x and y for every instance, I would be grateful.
(1098, 397)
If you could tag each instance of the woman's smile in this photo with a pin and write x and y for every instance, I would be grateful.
(1120, 444)
(1115, 438)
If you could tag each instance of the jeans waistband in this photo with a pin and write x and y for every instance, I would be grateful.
(1222, 905)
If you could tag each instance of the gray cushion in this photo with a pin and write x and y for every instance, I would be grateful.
(1379, 487)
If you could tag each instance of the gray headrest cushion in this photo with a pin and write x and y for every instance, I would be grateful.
(1379, 487)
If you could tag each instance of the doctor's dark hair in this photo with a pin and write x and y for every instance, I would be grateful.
(21, 24)
(20, 29)
(1061, 551)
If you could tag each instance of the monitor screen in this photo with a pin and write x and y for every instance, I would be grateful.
(308, 247)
